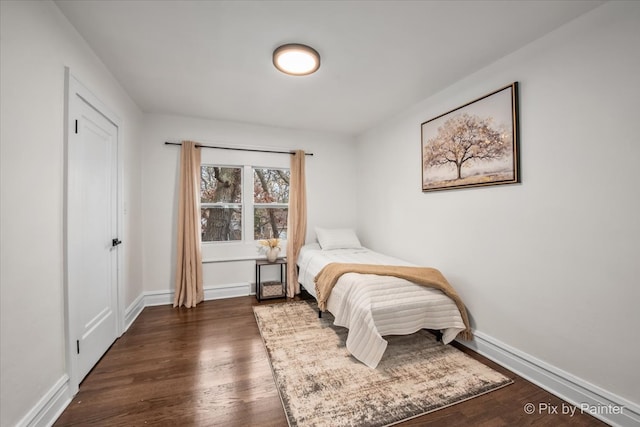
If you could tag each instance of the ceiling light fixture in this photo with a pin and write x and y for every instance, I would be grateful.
(296, 59)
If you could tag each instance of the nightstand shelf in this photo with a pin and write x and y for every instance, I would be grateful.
(271, 289)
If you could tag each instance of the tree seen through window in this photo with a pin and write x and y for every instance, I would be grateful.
(223, 202)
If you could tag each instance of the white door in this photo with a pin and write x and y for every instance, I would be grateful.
(92, 264)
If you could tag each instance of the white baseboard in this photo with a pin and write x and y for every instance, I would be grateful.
(211, 292)
(587, 397)
(133, 311)
(50, 406)
(231, 290)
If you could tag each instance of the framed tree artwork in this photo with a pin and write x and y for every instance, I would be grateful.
(473, 145)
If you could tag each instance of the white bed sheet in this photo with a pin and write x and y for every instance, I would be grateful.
(372, 306)
(312, 259)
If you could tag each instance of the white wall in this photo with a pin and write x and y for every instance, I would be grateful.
(550, 266)
(37, 42)
(331, 185)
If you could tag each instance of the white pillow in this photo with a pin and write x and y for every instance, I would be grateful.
(337, 238)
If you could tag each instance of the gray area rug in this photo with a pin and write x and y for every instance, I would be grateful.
(321, 384)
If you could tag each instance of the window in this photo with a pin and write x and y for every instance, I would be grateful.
(229, 213)
(270, 203)
(221, 203)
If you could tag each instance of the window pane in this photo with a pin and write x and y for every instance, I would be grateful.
(221, 224)
(220, 185)
(271, 186)
(270, 223)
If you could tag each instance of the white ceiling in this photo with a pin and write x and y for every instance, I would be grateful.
(212, 59)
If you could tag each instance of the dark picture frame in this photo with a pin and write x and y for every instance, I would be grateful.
(474, 145)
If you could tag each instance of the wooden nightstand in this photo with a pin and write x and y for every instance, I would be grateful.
(270, 290)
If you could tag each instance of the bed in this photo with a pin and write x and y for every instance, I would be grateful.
(372, 306)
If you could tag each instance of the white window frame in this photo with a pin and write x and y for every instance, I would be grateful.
(267, 205)
(247, 205)
(242, 205)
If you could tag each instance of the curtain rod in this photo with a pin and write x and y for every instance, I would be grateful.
(239, 149)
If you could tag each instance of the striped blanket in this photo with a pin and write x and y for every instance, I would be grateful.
(377, 300)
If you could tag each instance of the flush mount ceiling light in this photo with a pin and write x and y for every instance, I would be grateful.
(296, 59)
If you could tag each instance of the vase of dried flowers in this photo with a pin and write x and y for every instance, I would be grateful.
(272, 254)
(271, 248)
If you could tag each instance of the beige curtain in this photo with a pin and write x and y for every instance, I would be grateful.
(189, 289)
(297, 221)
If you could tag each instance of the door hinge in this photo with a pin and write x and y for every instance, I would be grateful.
(76, 126)
(78, 346)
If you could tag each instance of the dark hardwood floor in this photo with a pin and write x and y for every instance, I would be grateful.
(207, 367)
